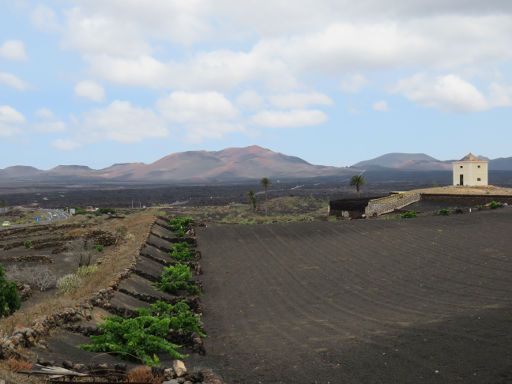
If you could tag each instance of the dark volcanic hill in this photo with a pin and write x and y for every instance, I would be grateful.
(231, 164)
(405, 161)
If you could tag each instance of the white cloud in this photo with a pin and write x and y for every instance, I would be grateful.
(201, 114)
(66, 144)
(13, 81)
(90, 90)
(380, 106)
(123, 122)
(189, 107)
(299, 100)
(289, 119)
(448, 93)
(354, 83)
(249, 100)
(49, 123)
(13, 50)
(10, 121)
(44, 113)
(120, 121)
(50, 126)
(44, 18)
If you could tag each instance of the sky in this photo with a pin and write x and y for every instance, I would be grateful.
(99, 82)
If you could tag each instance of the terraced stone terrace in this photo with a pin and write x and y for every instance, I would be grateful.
(425, 300)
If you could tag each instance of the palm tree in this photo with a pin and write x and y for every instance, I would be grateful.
(265, 183)
(357, 181)
(252, 200)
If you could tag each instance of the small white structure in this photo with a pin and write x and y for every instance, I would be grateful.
(471, 171)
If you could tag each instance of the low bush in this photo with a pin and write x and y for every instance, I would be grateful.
(10, 300)
(69, 283)
(142, 337)
(180, 225)
(408, 215)
(495, 205)
(28, 244)
(177, 278)
(80, 211)
(105, 211)
(444, 212)
(43, 279)
(86, 270)
(99, 247)
(181, 252)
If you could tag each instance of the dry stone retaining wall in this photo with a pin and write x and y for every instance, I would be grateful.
(390, 203)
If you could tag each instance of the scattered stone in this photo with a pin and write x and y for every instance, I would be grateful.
(121, 367)
(67, 364)
(179, 367)
(172, 381)
(81, 368)
(169, 373)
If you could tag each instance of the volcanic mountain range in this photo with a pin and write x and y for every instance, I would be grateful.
(231, 164)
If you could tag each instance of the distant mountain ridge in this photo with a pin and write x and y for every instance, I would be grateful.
(423, 162)
(229, 165)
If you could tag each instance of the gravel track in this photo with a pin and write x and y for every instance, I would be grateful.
(426, 300)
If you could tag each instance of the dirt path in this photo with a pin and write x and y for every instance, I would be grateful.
(412, 301)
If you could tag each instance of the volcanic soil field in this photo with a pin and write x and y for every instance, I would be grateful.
(425, 300)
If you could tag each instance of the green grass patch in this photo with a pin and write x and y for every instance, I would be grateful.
(409, 215)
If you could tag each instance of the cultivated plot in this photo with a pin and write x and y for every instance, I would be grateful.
(422, 300)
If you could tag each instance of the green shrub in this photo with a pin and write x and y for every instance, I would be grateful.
(69, 283)
(494, 205)
(28, 244)
(142, 337)
(181, 252)
(80, 211)
(105, 211)
(182, 318)
(408, 215)
(444, 212)
(86, 270)
(177, 278)
(99, 247)
(180, 225)
(10, 300)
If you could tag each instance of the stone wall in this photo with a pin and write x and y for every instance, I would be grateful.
(391, 203)
(466, 200)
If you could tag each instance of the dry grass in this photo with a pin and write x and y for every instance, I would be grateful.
(115, 260)
(280, 209)
(143, 374)
(456, 190)
(18, 365)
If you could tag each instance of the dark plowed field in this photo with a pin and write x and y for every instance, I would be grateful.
(427, 300)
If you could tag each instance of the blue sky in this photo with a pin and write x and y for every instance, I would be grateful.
(94, 82)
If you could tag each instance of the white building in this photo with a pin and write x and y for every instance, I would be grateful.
(471, 171)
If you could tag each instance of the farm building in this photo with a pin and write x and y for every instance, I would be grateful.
(470, 171)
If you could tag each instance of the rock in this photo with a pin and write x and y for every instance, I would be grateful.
(81, 368)
(121, 367)
(179, 367)
(169, 373)
(172, 381)
(188, 382)
(67, 364)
